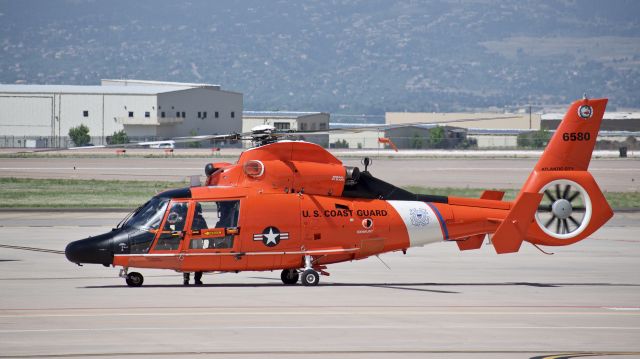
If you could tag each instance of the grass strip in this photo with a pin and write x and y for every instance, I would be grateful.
(63, 193)
(617, 200)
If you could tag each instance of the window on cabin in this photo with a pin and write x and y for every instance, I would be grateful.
(210, 219)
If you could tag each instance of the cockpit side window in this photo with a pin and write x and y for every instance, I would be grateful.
(174, 226)
(149, 215)
(143, 224)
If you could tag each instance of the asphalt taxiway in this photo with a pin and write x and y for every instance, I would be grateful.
(618, 175)
(434, 302)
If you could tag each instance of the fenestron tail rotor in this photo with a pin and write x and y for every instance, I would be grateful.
(565, 209)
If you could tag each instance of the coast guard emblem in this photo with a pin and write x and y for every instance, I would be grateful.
(419, 216)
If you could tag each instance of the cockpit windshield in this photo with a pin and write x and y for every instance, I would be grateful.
(149, 215)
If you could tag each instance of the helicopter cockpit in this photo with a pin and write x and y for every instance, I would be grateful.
(161, 225)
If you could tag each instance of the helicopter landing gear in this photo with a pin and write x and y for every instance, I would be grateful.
(289, 276)
(134, 279)
(310, 278)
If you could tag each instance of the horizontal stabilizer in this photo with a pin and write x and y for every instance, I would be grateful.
(475, 242)
(494, 195)
(512, 231)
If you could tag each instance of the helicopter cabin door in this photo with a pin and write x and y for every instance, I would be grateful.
(271, 231)
(211, 237)
(166, 251)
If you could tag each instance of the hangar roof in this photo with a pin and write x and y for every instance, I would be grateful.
(122, 90)
(280, 114)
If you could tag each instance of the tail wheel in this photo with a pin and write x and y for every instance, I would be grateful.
(565, 209)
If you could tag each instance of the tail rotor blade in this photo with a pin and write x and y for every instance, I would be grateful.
(549, 195)
(549, 222)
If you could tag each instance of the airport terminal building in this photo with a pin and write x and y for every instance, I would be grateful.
(41, 115)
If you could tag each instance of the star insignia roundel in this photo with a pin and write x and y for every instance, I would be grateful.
(271, 236)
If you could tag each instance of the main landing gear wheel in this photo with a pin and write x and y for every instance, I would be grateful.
(310, 278)
(134, 279)
(289, 276)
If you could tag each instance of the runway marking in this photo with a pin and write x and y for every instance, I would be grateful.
(77, 168)
(306, 306)
(301, 353)
(304, 327)
(348, 312)
(583, 354)
(45, 250)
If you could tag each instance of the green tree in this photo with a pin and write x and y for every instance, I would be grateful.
(118, 138)
(80, 135)
(341, 144)
(416, 141)
(534, 139)
(194, 144)
(437, 137)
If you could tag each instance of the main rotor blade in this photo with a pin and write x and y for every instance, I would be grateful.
(382, 127)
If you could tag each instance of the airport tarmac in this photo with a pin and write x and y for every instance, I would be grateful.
(618, 175)
(434, 302)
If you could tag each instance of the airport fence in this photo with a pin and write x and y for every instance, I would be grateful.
(471, 141)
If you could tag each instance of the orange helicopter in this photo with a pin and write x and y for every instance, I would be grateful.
(292, 206)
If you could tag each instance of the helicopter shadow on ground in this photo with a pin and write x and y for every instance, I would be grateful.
(413, 286)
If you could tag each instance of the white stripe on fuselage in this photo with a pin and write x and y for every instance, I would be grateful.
(422, 223)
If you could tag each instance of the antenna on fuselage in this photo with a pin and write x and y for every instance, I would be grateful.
(366, 162)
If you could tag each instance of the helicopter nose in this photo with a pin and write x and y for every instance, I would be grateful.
(91, 250)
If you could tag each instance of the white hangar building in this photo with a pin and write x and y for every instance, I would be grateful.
(144, 109)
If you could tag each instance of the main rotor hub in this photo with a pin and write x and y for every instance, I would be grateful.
(561, 208)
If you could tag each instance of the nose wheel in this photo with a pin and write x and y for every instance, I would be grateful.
(134, 279)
